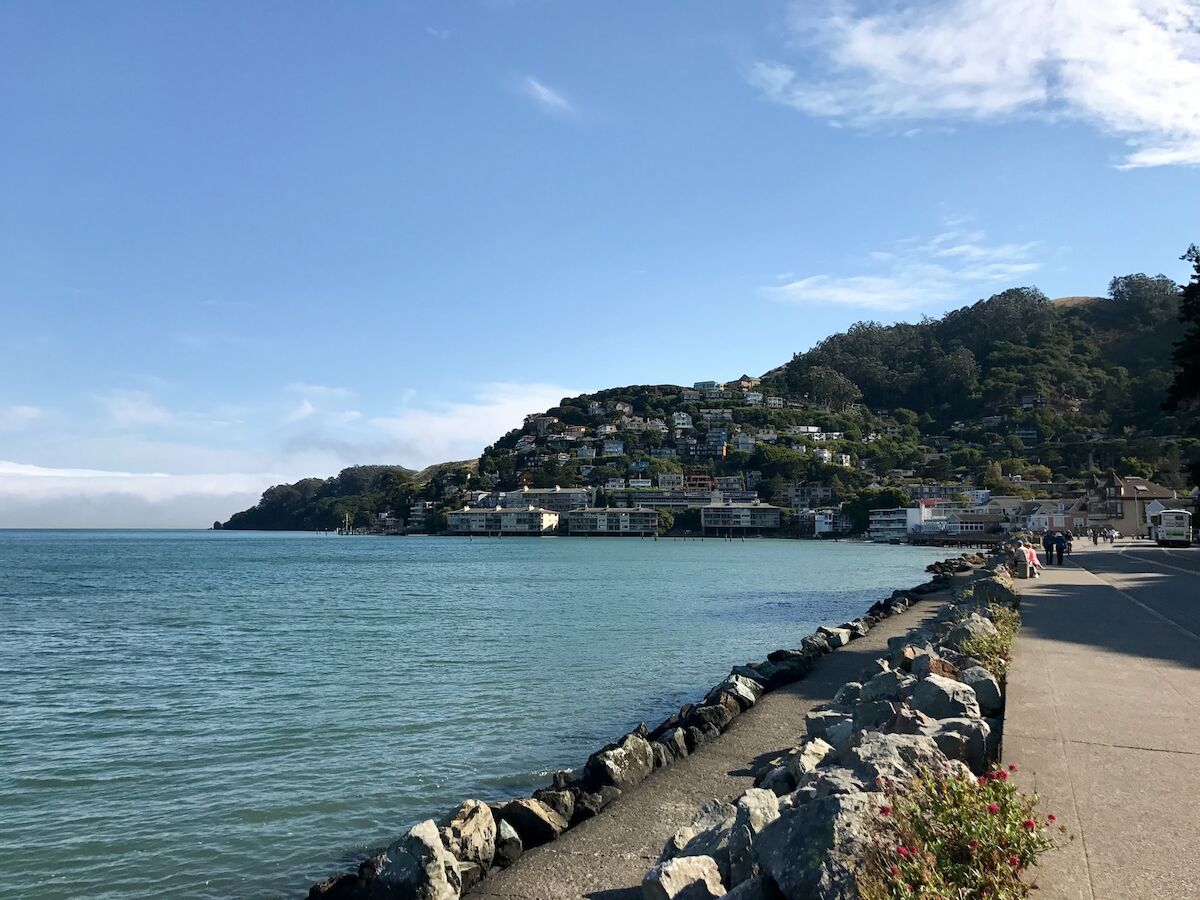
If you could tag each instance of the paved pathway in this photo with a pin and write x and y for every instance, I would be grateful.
(1104, 717)
(606, 857)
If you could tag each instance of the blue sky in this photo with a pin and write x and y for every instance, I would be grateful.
(242, 242)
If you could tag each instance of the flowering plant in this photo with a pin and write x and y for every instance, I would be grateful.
(953, 837)
(995, 650)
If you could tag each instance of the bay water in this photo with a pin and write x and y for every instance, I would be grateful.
(219, 714)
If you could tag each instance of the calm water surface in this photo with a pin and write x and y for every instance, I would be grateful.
(207, 714)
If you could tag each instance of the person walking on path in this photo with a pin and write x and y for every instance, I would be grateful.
(1048, 546)
(1095, 536)
(1070, 535)
(1060, 545)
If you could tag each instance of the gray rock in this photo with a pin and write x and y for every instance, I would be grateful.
(416, 865)
(815, 643)
(778, 780)
(588, 804)
(812, 850)
(746, 690)
(832, 780)
(755, 809)
(818, 722)
(508, 845)
(874, 714)
(942, 698)
(877, 757)
(754, 889)
(534, 821)
(623, 766)
(973, 626)
(847, 695)
(891, 685)
(836, 637)
(986, 687)
(807, 757)
(964, 739)
(469, 875)
(997, 589)
(839, 733)
(933, 664)
(683, 878)
(714, 716)
(857, 628)
(662, 756)
(676, 743)
(562, 802)
(707, 835)
(469, 834)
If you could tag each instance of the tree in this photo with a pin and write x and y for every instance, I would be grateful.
(1037, 473)
(831, 388)
(666, 519)
(1185, 389)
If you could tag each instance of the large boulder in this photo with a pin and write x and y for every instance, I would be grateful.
(745, 690)
(893, 685)
(933, 664)
(986, 687)
(813, 849)
(683, 878)
(707, 835)
(562, 802)
(588, 804)
(836, 637)
(623, 765)
(713, 716)
(755, 809)
(847, 695)
(533, 820)
(943, 698)
(997, 589)
(972, 626)
(878, 757)
(469, 834)
(964, 739)
(874, 714)
(754, 889)
(416, 866)
(815, 643)
(818, 722)
(807, 757)
(676, 743)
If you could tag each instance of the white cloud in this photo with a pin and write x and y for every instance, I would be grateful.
(455, 431)
(301, 412)
(1130, 67)
(550, 100)
(948, 267)
(129, 409)
(17, 418)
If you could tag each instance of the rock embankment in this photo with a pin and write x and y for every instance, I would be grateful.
(805, 830)
(442, 860)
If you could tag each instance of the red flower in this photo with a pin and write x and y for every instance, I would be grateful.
(1012, 767)
(903, 851)
(1014, 861)
(1051, 819)
(895, 870)
(1001, 775)
(885, 810)
(1029, 825)
(994, 808)
(973, 844)
(983, 779)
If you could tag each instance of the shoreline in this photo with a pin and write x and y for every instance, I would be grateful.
(579, 794)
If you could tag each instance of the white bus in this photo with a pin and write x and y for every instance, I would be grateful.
(1171, 528)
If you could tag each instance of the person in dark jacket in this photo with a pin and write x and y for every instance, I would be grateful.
(1048, 546)
(1060, 545)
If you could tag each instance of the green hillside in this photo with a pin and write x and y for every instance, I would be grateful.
(1013, 387)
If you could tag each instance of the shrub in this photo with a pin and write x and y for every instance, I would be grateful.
(954, 837)
(995, 651)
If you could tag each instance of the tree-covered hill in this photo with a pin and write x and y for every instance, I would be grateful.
(1015, 393)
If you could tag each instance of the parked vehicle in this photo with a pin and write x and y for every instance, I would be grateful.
(1171, 528)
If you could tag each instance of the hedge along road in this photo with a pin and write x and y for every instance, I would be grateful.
(1104, 716)
(606, 857)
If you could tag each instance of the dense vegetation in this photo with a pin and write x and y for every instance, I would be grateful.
(1012, 385)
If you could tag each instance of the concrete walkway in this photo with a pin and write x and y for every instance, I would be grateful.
(606, 857)
(1103, 717)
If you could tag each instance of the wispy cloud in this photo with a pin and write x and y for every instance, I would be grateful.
(1129, 67)
(18, 417)
(915, 273)
(131, 409)
(440, 33)
(461, 430)
(550, 100)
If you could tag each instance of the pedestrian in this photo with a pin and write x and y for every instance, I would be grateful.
(1060, 545)
(1070, 541)
(1095, 536)
(1031, 558)
(1048, 546)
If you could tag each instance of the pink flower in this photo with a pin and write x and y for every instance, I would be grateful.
(1051, 819)
(1029, 825)
(895, 870)
(973, 844)
(983, 779)
(994, 808)
(1001, 775)
(1012, 767)
(1014, 861)
(903, 851)
(885, 810)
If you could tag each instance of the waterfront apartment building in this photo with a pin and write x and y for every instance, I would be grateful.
(741, 517)
(671, 481)
(500, 520)
(556, 499)
(601, 521)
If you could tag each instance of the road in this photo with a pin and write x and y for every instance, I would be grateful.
(1104, 718)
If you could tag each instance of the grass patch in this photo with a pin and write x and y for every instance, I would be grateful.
(955, 837)
(995, 651)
